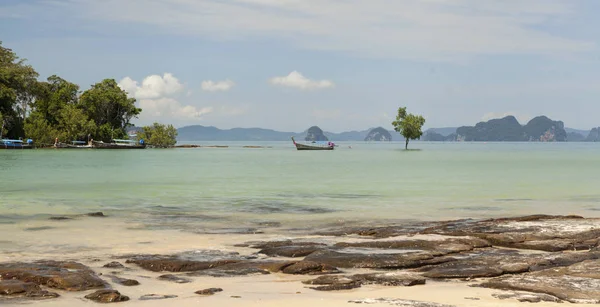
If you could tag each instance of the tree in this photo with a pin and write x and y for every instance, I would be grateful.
(409, 125)
(107, 105)
(54, 95)
(17, 82)
(1, 125)
(74, 124)
(38, 129)
(159, 135)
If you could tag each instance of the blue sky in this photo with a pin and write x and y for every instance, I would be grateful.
(339, 64)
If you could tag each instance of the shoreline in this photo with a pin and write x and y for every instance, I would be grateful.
(409, 261)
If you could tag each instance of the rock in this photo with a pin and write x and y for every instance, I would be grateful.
(315, 134)
(578, 283)
(174, 278)
(114, 265)
(20, 289)
(60, 218)
(280, 243)
(331, 283)
(243, 268)
(528, 297)
(96, 214)
(124, 281)
(338, 286)
(440, 247)
(147, 297)
(494, 262)
(398, 302)
(309, 268)
(389, 279)
(209, 291)
(107, 296)
(173, 264)
(378, 134)
(375, 261)
(70, 276)
(291, 251)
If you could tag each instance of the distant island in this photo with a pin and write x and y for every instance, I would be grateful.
(378, 134)
(508, 129)
(539, 129)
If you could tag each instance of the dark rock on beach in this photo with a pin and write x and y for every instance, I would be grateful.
(124, 281)
(174, 278)
(174, 264)
(291, 251)
(114, 265)
(59, 218)
(70, 276)
(375, 260)
(96, 214)
(209, 291)
(331, 283)
(21, 289)
(107, 296)
(309, 268)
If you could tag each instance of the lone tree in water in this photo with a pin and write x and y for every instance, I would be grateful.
(409, 125)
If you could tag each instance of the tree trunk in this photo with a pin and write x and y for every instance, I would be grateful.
(406, 145)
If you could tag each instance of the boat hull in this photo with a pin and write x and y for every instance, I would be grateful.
(308, 147)
(117, 146)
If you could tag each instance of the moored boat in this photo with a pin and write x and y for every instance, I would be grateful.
(73, 145)
(314, 146)
(119, 144)
(15, 144)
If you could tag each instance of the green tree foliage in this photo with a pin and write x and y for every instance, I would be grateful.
(17, 85)
(38, 129)
(54, 95)
(74, 124)
(107, 105)
(159, 135)
(409, 125)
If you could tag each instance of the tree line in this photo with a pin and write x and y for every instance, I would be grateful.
(56, 108)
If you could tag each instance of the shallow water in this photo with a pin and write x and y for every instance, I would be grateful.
(242, 187)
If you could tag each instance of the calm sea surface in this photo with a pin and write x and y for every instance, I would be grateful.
(209, 188)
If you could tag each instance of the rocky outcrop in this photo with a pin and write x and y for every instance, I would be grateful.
(315, 134)
(21, 289)
(378, 135)
(69, 276)
(594, 135)
(538, 129)
(209, 291)
(107, 296)
(331, 283)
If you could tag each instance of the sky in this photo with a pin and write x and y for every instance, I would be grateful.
(339, 64)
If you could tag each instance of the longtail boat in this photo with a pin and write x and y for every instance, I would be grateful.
(314, 146)
(16, 144)
(73, 145)
(119, 144)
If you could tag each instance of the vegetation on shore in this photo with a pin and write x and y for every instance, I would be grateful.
(159, 135)
(409, 125)
(57, 109)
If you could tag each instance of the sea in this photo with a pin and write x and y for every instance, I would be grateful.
(223, 189)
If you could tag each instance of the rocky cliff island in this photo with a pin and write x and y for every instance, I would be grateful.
(508, 129)
(315, 134)
(378, 134)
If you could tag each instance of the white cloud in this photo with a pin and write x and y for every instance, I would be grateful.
(212, 86)
(156, 97)
(415, 29)
(171, 108)
(152, 87)
(522, 118)
(297, 80)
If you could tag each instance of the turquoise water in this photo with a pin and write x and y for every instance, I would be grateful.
(236, 186)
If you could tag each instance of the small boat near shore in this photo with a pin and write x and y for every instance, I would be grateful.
(314, 145)
(73, 145)
(119, 144)
(16, 144)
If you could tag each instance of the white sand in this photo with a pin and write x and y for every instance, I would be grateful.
(93, 241)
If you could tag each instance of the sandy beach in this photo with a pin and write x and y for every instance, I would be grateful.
(94, 241)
